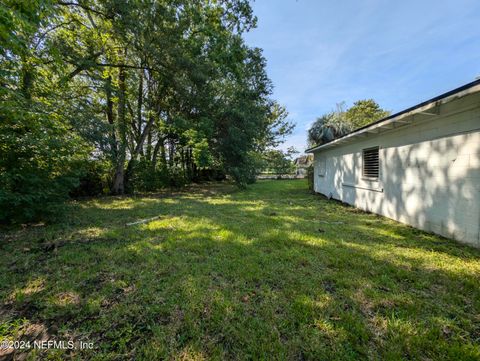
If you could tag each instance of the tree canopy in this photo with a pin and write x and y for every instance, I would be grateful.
(340, 121)
(279, 162)
(364, 112)
(135, 94)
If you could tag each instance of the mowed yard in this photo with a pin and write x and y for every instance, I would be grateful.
(272, 272)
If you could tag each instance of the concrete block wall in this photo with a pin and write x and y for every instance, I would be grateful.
(429, 172)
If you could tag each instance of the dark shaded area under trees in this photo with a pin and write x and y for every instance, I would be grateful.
(119, 97)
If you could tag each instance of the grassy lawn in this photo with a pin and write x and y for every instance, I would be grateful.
(272, 272)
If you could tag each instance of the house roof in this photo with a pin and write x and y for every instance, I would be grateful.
(399, 119)
(305, 160)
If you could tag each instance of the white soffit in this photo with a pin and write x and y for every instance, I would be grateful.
(430, 108)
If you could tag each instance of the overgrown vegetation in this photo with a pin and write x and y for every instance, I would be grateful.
(126, 96)
(279, 162)
(272, 272)
(340, 121)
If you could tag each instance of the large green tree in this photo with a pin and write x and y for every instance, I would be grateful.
(39, 154)
(279, 162)
(157, 92)
(364, 112)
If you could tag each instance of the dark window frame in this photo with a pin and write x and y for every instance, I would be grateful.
(371, 163)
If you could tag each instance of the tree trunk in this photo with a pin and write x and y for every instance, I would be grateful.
(118, 182)
(137, 149)
(111, 118)
(163, 154)
(148, 155)
(171, 153)
(146, 130)
(182, 160)
(157, 148)
(140, 100)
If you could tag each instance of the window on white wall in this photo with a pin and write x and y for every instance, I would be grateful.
(321, 164)
(370, 163)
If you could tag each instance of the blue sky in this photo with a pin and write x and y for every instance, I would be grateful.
(399, 53)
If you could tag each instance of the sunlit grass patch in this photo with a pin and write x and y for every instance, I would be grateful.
(270, 272)
(33, 286)
(66, 299)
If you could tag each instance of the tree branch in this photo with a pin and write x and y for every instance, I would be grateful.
(65, 3)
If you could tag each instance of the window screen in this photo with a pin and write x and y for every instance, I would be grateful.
(370, 162)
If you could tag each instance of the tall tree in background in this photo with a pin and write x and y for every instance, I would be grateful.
(279, 162)
(364, 112)
(151, 93)
(340, 122)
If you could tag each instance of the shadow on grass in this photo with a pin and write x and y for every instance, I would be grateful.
(271, 272)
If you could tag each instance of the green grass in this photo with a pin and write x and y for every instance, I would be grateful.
(272, 272)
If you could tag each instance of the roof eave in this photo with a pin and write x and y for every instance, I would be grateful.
(400, 118)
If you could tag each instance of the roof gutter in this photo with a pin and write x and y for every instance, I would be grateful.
(400, 118)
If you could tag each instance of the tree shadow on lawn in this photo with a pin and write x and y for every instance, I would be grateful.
(234, 277)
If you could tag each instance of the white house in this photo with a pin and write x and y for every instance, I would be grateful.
(420, 166)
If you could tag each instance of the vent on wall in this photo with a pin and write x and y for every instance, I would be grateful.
(370, 165)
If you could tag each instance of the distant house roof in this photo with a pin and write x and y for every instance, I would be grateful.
(399, 119)
(304, 160)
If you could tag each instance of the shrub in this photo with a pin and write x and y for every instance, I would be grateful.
(147, 178)
(40, 163)
(177, 178)
(95, 179)
(209, 174)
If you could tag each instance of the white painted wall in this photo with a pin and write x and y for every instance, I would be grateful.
(429, 172)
